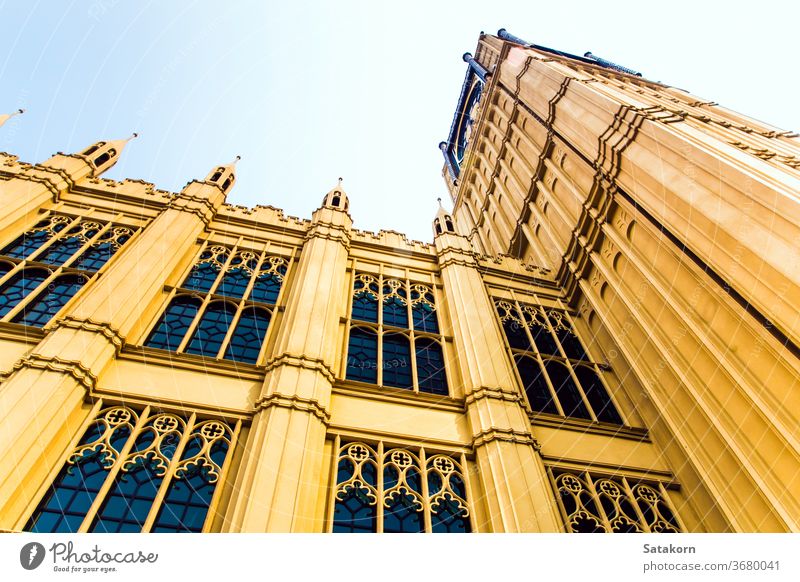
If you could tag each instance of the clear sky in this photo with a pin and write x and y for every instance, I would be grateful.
(306, 92)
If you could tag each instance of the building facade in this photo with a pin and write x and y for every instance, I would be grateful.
(602, 336)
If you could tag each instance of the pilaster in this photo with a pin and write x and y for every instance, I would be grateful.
(513, 477)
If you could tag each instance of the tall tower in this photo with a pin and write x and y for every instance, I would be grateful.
(670, 224)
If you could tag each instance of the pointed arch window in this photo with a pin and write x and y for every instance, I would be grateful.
(394, 335)
(387, 489)
(56, 258)
(223, 307)
(554, 369)
(138, 471)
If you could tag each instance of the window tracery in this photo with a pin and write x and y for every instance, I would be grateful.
(394, 335)
(138, 470)
(223, 307)
(613, 504)
(47, 265)
(398, 490)
(556, 373)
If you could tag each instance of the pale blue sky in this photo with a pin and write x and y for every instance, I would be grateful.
(311, 91)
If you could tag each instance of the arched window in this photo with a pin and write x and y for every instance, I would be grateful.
(250, 332)
(102, 249)
(405, 504)
(397, 361)
(211, 330)
(535, 336)
(362, 355)
(50, 300)
(174, 323)
(19, 286)
(29, 242)
(430, 367)
(404, 306)
(209, 333)
(147, 484)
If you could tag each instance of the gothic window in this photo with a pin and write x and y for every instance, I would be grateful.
(223, 307)
(593, 503)
(138, 471)
(555, 372)
(57, 256)
(394, 336)
(398, 490)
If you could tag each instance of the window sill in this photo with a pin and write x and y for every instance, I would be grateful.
(398, 395)
(193, 362)
(591, 427)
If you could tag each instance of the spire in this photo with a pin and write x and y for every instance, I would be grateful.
(223, 176)
(6, 117)
(104, 154)
(443, 222)
(337, 198)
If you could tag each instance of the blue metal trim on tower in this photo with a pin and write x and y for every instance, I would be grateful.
(476, 66)
(611, 65)
(448, 161)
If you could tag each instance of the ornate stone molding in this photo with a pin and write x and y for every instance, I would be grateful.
(315, 364)
(329, 231)
(295, 403)
(110, 333)
(506, 435)
(75, 369)
(497, 393)
(197, 205)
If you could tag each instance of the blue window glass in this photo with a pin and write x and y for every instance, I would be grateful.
(365, 307)
(430, 367)
(354, 510)
(95, 257)
(597, 395)
(425, 318)
(130, 499)
(189, 495)
(234, 282)
(266, 288)
(26, 244)
(395, 312)
(211, 329)
(5, 268)
(39, 311)
(173, 325)
(202, 277)
(62, 249)
(19, 286)
(396, 361)
(248, 336)
(362, 355)
(402, 511)
(535, 385)
(72, 493)
(566, 391)
(447, 514)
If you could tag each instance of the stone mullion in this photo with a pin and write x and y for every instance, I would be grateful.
(222, 480)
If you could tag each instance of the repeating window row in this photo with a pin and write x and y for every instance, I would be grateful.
(394, 336)
(45, 267)
(223, 307)
(397, 490)
(614, 504)
(135, 471)
(554, 369)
